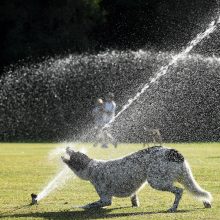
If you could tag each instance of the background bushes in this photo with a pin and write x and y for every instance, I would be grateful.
(53, 100)
(31, 29)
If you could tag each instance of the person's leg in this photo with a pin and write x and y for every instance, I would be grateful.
(110, 138)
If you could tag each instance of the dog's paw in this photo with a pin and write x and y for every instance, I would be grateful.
(171, 210)
(207, 205)
(96, 205)
(86, 207)
(91, 206)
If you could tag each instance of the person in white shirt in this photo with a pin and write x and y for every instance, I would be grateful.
(97, 114)
(109, 108)
(109, 114)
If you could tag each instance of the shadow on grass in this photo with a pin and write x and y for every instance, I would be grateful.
(14, 209)
(86, 214)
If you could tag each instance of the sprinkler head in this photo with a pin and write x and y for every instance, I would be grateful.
(34, 199)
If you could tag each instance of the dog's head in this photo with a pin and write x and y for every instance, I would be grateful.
(77, 161)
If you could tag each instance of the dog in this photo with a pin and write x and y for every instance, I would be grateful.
(159, 166)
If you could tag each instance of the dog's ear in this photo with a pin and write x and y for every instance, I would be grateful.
(79, 166)
(82, 162)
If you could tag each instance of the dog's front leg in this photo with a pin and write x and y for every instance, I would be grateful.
(104, 201)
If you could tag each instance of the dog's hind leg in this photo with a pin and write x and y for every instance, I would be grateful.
(169, 187)
(135, 200)
(178, 194)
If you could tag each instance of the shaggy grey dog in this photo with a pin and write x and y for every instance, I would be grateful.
(159, 166)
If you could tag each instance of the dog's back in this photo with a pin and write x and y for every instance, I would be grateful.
(126, 175)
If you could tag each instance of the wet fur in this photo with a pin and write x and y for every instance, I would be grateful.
(123, 177)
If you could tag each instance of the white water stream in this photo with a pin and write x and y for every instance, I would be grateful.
(63, 175)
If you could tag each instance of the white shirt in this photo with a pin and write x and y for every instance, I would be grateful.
(98, 116)
(109, 111)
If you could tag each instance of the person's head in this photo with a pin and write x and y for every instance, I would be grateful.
(99, 102)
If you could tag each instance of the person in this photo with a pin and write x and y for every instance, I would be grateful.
(109, 108)
(98, 121)
(108, 115)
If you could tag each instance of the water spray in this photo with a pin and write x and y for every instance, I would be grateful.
(59, 180)
(61, 177)
(163, 70)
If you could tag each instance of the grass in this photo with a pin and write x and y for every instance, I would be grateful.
(25, 168)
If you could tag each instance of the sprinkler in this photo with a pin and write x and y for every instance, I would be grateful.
(34, 199)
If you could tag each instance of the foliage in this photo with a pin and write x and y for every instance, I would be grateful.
(36, 28)
(161, 24)
(53, 100)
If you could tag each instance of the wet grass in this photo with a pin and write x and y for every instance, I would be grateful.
(25, 168)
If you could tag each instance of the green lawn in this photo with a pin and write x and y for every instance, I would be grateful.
(26, 168)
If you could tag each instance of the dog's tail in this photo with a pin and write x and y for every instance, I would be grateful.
(192, 186)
